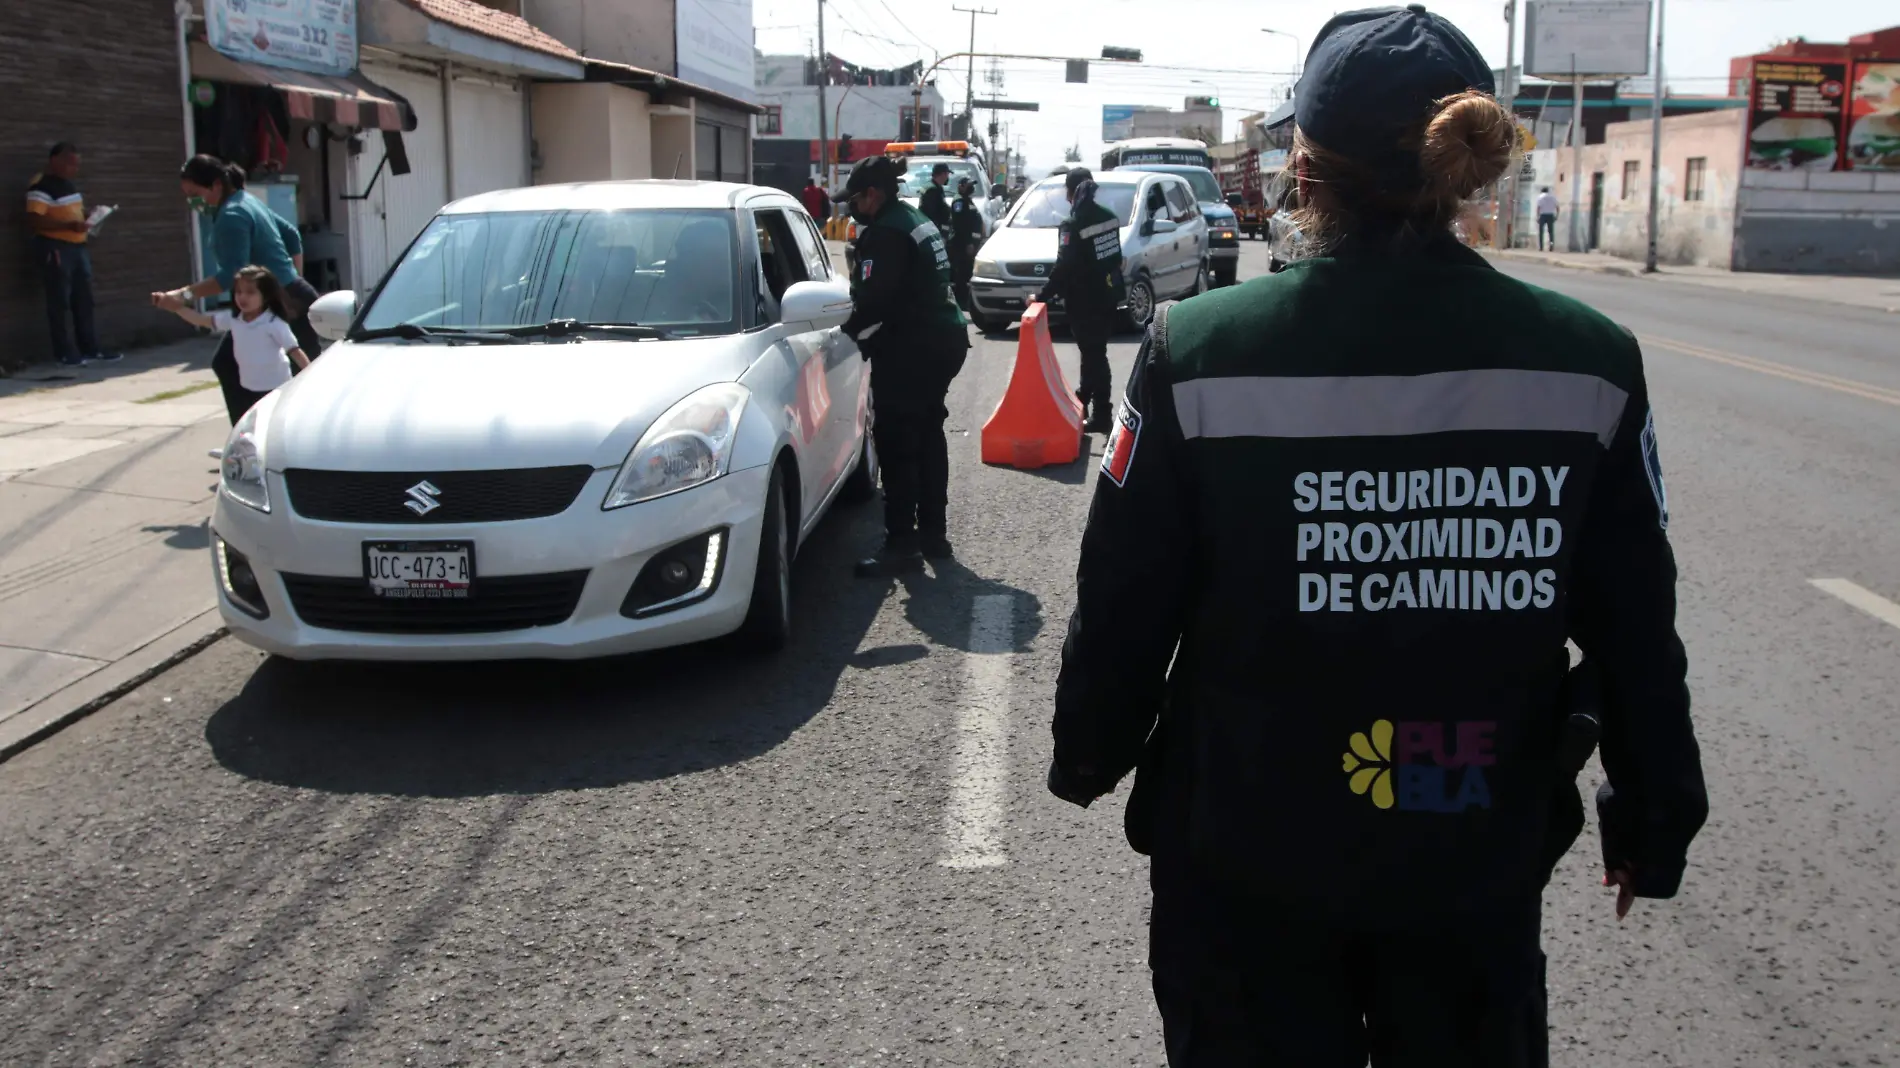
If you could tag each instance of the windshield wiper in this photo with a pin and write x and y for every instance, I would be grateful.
(576, 327)
(412, 332)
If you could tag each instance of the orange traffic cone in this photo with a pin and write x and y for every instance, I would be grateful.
(1039, 420)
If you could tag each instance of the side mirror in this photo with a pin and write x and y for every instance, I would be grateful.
(1164, 226)
(815, 305)
(332, 314)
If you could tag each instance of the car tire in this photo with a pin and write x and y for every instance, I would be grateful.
(861, 487)
(1141, 304)
(986, 325)
(1226, 274)
(1203, 279)
(768, 622)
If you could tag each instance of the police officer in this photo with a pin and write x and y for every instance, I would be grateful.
(933, 203)
(966, 237)
(1088, 278)
(906, 322)
(1347, 520)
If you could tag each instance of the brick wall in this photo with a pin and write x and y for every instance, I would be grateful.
(103, 74)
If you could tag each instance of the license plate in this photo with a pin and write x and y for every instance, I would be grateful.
(420, 569)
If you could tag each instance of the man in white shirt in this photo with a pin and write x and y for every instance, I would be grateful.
(1546, 219)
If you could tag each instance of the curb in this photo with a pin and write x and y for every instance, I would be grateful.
(65, 707)
(1630, 270)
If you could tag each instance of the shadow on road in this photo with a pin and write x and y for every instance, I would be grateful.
(525, 727)
(939, 604)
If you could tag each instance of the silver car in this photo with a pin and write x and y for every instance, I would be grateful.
(1164, 246)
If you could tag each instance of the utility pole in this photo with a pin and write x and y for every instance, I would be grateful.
(1655, 142)
(1576, 157)
(824, 75)
(1507, 218)
(969, 80)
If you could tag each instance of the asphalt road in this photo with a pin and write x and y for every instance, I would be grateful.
(845, 855)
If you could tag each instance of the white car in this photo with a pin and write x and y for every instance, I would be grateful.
(1164, 246)
(572, 421)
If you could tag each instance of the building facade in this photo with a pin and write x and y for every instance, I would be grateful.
(102, 74)
(869, 107)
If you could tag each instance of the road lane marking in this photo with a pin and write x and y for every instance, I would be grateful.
(1864, 390)
(979, 769)
(1864, 599)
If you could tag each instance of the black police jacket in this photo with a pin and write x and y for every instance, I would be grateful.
(935, 206)
(1348, 518)
(1088, 270)
(966, 227)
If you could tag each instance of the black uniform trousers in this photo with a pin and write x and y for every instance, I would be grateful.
(909, 384)
(1253, 984)
(237, 399)
(962, 266)
(1091, 327)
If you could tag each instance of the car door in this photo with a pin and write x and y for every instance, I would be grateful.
(802, 393)
(1154, 252)
(847, 375)
(1185, 254)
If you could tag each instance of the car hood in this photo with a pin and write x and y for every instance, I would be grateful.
(1020, 243)
(1217, 214)
(406, 406)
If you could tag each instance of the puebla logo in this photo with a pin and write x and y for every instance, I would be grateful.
(1422, 766)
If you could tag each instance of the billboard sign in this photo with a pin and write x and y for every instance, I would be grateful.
(1796, 113)
(1586, 38)
(1118, 122)
(318, 36)
(713, 46)
(1873, 121)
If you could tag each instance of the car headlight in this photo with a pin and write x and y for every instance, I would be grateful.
(986, 269)
(242, 470)
(691, 444)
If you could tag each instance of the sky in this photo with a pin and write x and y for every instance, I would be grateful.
(1216, 47)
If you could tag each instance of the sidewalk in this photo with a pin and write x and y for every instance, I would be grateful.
(105, 494)
(1860, 291)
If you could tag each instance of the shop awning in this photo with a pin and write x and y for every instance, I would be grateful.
(354, 101)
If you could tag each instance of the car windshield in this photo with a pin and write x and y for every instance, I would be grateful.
(1206, 189)
(674, 270)
(917, 179)
(1046, 206)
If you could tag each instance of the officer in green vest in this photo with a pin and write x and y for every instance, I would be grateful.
(1348, 519)
(1088, 278)
(906, 322)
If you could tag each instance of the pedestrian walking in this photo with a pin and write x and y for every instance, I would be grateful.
(932, 201)
(817, 202)
(1347, 521)
(1546, 219)
(265, 349)
(1088, 278)
(244, 232)
(966, 237)
(905, 319)
(56, 212)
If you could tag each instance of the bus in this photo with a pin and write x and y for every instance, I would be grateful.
(1180, 151)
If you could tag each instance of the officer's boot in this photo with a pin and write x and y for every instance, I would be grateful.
(898, 555)
(1101, 415)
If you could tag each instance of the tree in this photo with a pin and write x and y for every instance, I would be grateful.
(1072, 154)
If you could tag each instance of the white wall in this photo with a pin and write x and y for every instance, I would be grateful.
(635, 32)
(630, 124)
(867, 112)
(490, 138)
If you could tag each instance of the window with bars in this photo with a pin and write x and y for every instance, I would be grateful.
(772, 123)
(1695, 178)
(1632, 172)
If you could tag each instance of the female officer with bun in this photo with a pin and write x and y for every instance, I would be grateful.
(1348, 518)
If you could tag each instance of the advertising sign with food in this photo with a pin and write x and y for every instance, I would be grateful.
(318, 36)
(1873, 128)
(1795, 114)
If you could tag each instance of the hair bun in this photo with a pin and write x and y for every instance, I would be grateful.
(1469, 141)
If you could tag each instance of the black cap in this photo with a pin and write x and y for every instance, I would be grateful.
(873, 173)
(965, 183)
(1076, 176)
(1371, 78)
(941, 168)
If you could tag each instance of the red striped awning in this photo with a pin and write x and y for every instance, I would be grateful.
(353, 101)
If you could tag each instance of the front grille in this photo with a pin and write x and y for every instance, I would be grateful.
(461, 496)
(1028, 269)
(505, 602)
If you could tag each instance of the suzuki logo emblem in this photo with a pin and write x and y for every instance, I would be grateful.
(1041, 269)
(422, 498)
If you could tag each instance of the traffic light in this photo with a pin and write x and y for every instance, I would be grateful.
(844, 148)
(1126, 55)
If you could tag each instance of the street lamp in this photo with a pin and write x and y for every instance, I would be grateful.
(1299, 53)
